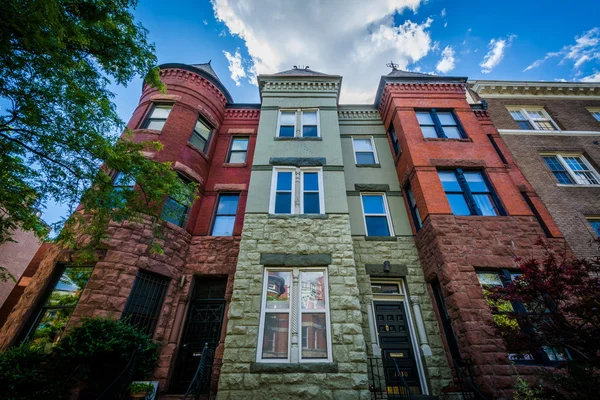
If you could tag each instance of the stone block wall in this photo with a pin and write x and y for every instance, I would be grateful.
(346, 377)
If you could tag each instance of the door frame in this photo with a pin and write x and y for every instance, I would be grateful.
(402, 297)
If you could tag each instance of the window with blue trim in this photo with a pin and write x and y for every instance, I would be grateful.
(439, 124)
(394, 140)
(414, 210)
(469, 193)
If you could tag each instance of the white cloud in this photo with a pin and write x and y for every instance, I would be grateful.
(205, 22)
(595, 77)
(235, 66)
(560, 80)
(445, 24)
(356, 44)
(447, 62)
(586, 48)
(443, 13)
(496, 53)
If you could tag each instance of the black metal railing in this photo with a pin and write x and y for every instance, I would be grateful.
(466, 383)
(118, 389)
(386, 380)
(200, 387)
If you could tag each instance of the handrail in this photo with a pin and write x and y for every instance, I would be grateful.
(129, 368)
(468, 381)
(196, 384)
(399, 375)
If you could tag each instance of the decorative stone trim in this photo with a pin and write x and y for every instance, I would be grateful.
(333, 168)
(371, 187)
(482, 115)
(380, 238)
(294, 260)
(240, 130)
(281, 368)
(298, 161)
(445, 162)
(298, 216)
(300, 86)
(184, 169)
(183, 75)
(165, 97)
(234, 165)
(536, 89)
(362, 115)
(368, 165)
(231, 187)
(300, 139)
(396, 270)
(465, 140)
(144, 131)
(262, 167)
(242, 114)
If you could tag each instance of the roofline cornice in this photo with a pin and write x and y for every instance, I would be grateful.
(492, 88)
(209, 77)
(428, 80)
(317, 83)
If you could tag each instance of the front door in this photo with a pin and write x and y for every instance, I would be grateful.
(396, 345)
(202, 326)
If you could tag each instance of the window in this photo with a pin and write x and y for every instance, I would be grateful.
(533, 119)
(572, 169)
(200, 135)
(414, 210)
(394, 140)
(175, 210)
(287, 198)
(377, 214)
(364, 150)
(225, 215)
(238, 150)
(50, 322)
(439, 124)
(309, 123)
(145, 301)
(595, 113)
(122, 184)
(279, 305)
(158, 116)
(469, 193)
(595, 224)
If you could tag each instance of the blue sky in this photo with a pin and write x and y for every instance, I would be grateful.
(356, 38)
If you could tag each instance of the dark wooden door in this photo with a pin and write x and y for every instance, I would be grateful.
(396, 345)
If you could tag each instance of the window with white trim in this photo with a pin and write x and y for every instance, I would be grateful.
(305, 197)
(595, 113)
(300, 293)
(533, 119)
(306, 119)
(376, 214)
(364, 151)
(158, 116)
(572, 169)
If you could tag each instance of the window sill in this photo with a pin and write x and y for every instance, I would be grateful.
(284, 368)
(368, 165)
(197, 150)
(291, 216)
(235, 165)
(146, 131)
(299, 138)
(576, 185)
(546, 133)
(380, 238)
(447, 140)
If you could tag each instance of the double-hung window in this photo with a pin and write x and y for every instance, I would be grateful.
(200, 135)
(289, 198)
(364, 151)
(175, 209)
(123, 184)
(469, 193)
(238, 150)
(439, 124)
(376, 214)
(572, 169)
(595, 113)
(145, 301)
(306, 119)
(225, 214)
(533, 119)
(301, 292)
(414, 210)
(394, 140)
(310, 123)
(158, 116)
(595, 224)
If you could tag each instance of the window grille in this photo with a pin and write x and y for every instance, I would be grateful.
(145, 301)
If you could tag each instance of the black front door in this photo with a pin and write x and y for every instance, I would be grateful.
(396, 345)
(202, 326)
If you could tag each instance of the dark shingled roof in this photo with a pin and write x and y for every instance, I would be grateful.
(301, 72)
(204, 70)
(407, 74)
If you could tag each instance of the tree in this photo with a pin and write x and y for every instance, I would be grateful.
(59, 134)
(561, 298)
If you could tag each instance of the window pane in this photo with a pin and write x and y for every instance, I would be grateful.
(489, 279)
(596, 226)
(278, 287)
(429, 132)
(311, 203)
(309, 131)
(202, 129)
(312, 290)
(223, 225)
(575, 163)
(275, 335)
(535, 114)
(239, 144)
(424, 118)
(51, 326)
(596, 114)
(283, 203)
(446, 118)
(563, 177)
(228, 204)
(286, 131)
(449, 181)
(524, 125)
(553, 163)
(174, 212)
(385, 288)
(288, 118)
(284, 180)
(452, 132)
(198, 141)
(485, 204)
(362, 145)
(587, 178)
(156, 124)
(69, 287)
(475, 181)
(311, 181)
(161, 111)
(309, 118)
(373, 204)
(545, 125)
(377, 226)
(122, 179)
(517, 115)
(238, 157)
(365, 158)
(458, 204)
(315, 328)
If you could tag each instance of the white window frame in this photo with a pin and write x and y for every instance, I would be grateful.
(294, 310)
(297, 200)
(372, 146)
(298, 121)
(532, 121)
(572, 174)
(279, 114)
(301, 113)
(595, 113)
(386, 207)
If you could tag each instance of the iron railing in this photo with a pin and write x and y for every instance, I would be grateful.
(118, 389)
(466, 383)
(386, 380)
(200, 387)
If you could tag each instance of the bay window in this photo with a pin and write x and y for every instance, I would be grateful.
(469, 193)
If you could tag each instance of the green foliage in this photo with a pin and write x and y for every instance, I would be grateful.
(57, 60)
(524, 391)
(141, 387)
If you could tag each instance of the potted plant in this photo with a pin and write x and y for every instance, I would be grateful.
(139, 390)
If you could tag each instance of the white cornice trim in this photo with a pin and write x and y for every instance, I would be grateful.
(523, 89)
(357, 115)
(547, 133)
